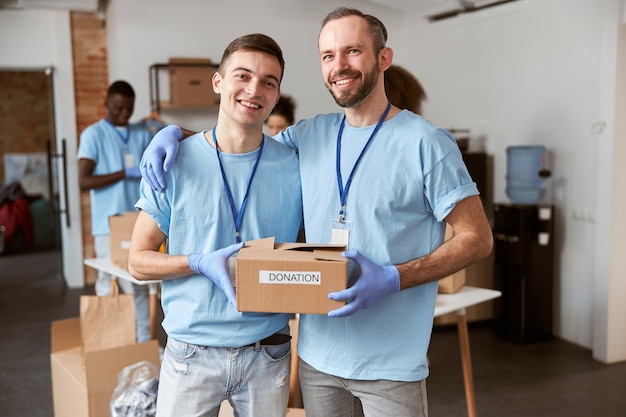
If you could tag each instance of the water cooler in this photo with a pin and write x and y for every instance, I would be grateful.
(523, 235)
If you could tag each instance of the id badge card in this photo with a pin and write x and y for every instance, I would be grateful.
(340, 232)
(129, 160)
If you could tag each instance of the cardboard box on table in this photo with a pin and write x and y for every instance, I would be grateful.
(121, 226)
(289, 277)
(83, 382)
(190, 82)
(452, 283)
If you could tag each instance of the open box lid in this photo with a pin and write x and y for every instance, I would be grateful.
(268, 247)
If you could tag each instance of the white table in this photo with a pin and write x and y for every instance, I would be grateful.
(457, 303)
(105, 265)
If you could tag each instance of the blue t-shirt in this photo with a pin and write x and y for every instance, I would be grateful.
(102, 144)
(195, 215)
(409, 179)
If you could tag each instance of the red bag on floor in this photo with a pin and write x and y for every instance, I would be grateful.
(16, 218)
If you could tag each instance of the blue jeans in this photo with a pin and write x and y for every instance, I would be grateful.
(194, 380)
(326, 395)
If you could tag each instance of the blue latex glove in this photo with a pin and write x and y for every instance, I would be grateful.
(132, 172)
(374, 283)
(159, 156)
(214, 266)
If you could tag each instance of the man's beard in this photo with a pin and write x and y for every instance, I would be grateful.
(347, 99)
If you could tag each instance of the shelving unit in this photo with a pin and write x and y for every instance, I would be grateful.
(155, 96)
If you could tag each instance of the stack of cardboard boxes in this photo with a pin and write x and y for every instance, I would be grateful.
(84, 373)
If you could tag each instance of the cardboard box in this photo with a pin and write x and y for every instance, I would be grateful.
(295, 412)
(452, 283)
(190, 82)
(85, 390)
(121, 231)
(226, 410)
(289, 277)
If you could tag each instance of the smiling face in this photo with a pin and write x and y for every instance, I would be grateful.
(249, 85)
(120, 108)
(350, 65)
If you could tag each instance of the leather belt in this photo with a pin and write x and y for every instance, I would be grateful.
(275, 339)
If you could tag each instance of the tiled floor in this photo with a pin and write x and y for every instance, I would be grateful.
(551, 378)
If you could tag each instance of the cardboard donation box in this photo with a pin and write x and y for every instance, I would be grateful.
(289, 277)
(296, 412)
(190, 82)
(121, 231)
(84, 376)
(451, 283)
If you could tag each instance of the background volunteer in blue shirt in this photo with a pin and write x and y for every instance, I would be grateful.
(108, 166)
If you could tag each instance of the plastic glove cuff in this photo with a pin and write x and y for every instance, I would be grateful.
(193, 259)
(392, 276)
(177, 132)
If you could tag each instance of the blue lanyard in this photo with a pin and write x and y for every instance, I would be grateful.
(237, 216)
(124, 139)
(343, 191)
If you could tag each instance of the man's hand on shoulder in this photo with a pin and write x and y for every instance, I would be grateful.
(159, 156)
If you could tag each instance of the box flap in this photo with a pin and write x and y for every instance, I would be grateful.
(310, 247)
(329, 255)
(71, 361)
(102, 369)
(69, 390)
(103, 366)
(65, 334)
(266, 243)
(261, 254)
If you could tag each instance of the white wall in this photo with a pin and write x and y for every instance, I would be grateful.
(142, 33)
(40, 39)
(538, 72)
(609, 342)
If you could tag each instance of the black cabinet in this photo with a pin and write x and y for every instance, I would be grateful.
(523, 271)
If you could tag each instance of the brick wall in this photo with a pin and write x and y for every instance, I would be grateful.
(91, 81)
(25, 113)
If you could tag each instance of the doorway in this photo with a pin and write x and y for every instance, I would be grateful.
(30, 163)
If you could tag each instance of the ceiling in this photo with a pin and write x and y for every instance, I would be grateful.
(431, 9)
(420, 7)
(439, 9)
(75, 5)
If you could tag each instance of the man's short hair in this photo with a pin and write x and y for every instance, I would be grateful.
(376, 27)
(255, 42)
(122, 88)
